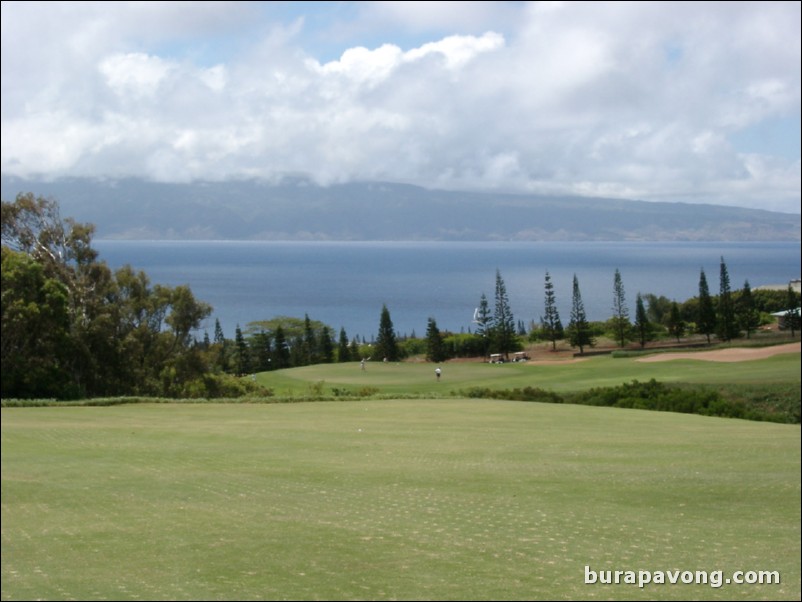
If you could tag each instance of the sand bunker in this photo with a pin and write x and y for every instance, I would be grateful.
(735, 354)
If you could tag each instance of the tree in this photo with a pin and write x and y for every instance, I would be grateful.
(435, 348)
(343, 351)
(791, 317)
(503, 339)
(620, 320)
(326, 346)
(747, 314)
(221, 345)
(281, 349)
(727, 328)
(657, 308)
(706, 318)
(579, 334)
(35, 329)
(642, 325)
(484, 323)
(552, 326)
(242, 361)
(676, 325)
(386, 344)
(262, 351)
(121, 336)
(309, 346)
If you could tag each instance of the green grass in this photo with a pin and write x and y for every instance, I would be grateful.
(379, 499)
(419, 379)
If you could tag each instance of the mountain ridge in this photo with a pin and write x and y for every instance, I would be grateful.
(297, 209)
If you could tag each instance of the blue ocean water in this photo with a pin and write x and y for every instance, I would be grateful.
(345, 284)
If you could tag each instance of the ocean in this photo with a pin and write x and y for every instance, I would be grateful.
(345, 284)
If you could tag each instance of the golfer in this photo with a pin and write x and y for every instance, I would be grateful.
(437, 372)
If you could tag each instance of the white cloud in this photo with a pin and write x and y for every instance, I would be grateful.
(135, 74)
(638, 100)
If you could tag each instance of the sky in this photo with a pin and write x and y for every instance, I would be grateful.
(693, 102)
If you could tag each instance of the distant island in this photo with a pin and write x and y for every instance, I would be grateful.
(295, 208)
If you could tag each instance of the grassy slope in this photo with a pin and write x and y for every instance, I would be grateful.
(419, 378)
(416, 499)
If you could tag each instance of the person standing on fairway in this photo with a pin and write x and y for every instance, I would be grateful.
(437, 373)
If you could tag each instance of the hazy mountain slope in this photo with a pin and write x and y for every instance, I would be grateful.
(298, 209)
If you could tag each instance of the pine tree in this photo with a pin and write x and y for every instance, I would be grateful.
(504, 339)
(435, 348)
(242, 360)
(551, 320)
(676, 325)
(643, 327)
(621, 323)
(309, 344)
(791, 317)
(727, 328)
(222, 346)
(343, 351)
(386, 344)
(263, 351)
(281, 350)
(748, 316)
(706, 320)
(326, 346)
(484, 324)
(579, 334)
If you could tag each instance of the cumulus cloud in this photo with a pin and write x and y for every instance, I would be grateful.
(651, 101)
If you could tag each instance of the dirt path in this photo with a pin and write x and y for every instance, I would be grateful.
(735, 354)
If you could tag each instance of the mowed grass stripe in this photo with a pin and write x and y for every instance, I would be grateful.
(414, 499)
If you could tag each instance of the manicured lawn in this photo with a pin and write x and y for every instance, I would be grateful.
(419, 378)
(414, 499)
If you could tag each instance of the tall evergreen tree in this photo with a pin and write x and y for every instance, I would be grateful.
(435, 347)
(791, 317)
(309, 344)
(242, 361)
(579, 334)
(386, 344)
(706, 320)
(676, 325)
(484, 324)
(747, 314)
(727, 328)
(504, 339)
(621, 323)
(326, 346)
(281, 349)
(552, 326)
(221, 345)
(343, 351)
(262, 351)
(643, 327)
